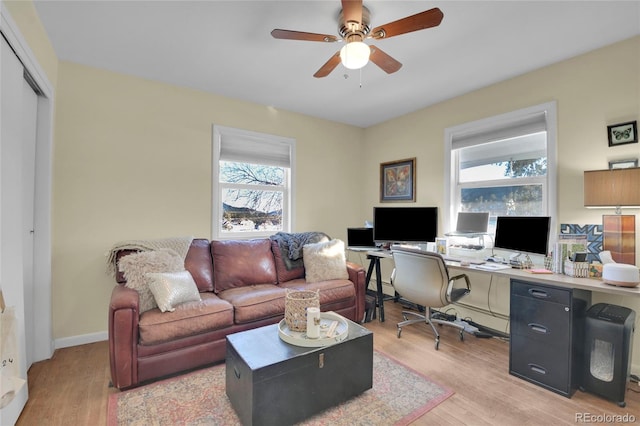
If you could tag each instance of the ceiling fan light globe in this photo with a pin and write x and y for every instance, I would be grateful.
(355, 55)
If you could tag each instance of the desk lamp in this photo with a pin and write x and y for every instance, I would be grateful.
(615, 188)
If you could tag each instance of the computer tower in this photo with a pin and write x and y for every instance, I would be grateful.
(608, 336)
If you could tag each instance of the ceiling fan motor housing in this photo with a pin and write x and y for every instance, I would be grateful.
(352, 30)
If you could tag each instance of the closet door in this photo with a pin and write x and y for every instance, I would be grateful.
(29, 125)
(11, 221)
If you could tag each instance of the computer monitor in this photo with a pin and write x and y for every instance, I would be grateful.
(405, 224)
(523, 234)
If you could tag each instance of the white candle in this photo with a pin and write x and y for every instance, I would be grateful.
(313, 323)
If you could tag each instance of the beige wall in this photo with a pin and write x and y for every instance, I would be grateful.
(592, 91)
(133, 160)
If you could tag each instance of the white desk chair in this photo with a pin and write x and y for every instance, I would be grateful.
(422, 278)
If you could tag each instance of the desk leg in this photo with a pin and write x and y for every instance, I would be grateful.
(379, 288)
(369, 272)
(374, 263)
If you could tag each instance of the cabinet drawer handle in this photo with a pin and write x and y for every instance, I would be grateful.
(538, 328)
(540, 294)
(537, 369)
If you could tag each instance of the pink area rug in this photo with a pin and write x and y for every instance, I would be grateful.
(399, 396)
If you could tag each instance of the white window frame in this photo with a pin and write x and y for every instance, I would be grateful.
(495, 124)
(219, 134)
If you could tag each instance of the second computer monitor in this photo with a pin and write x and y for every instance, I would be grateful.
(523, 234)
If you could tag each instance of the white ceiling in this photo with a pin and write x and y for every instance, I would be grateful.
(225, 47)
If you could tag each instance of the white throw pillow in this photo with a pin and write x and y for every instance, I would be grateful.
(324, 261)
(136, 265)
(172, 288)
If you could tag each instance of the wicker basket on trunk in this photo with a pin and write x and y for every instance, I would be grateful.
(295, 308)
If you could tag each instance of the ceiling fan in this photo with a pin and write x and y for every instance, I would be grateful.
(353, 27)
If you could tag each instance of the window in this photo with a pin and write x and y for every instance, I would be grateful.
(252, 183)
(504, 165)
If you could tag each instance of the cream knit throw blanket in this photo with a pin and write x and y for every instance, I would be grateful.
(178, 244)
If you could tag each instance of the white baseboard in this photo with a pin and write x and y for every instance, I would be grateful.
(83, 339)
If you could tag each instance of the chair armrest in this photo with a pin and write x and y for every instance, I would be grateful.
(452, 280)
(461, 276)
(358, 277)
(123, 336)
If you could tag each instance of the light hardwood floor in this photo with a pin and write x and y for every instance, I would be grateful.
(72, 387)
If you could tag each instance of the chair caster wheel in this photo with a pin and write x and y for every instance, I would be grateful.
(437, 343)
(622, 404)
(461, 335)
(399, 332)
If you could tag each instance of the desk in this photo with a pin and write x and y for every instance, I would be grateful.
(558, 280)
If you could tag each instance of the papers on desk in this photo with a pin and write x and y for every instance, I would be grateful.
(539, 271)
(492, 266)
(469, 260)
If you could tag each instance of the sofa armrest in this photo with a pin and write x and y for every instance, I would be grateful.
(123, 336)
(358, 277)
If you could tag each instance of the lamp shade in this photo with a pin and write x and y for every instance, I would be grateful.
(355, 55)
(612, 188)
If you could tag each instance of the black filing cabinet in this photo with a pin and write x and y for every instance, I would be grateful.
(547, 331)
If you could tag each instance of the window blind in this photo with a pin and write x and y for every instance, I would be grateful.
(531, 123)
(518, 139)
(525, 147)
(246, 148)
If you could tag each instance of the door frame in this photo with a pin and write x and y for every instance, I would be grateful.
(43, 331)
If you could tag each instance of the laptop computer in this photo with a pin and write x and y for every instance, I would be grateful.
(471, 223)
(360, 239)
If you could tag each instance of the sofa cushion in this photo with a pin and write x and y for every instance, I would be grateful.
(135, 266)
(198, 262)
(239, 263)
(190, 318)
(285, 274)
(331, 291)
(325, 261)
(172, 288)
(256, 302)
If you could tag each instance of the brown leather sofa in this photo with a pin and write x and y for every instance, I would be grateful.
(242, 285)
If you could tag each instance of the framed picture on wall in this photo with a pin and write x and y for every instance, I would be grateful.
(624, 133)
(398, 180)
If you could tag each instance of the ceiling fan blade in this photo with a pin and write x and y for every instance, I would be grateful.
(300, 35)
(384, 61)
(420, 21)
(352, 10)
(329, 66)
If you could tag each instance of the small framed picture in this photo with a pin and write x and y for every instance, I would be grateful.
(398, 180)
(624, 133)
(623, 164)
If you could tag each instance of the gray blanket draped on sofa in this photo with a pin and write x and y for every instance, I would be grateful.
(291, 245)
